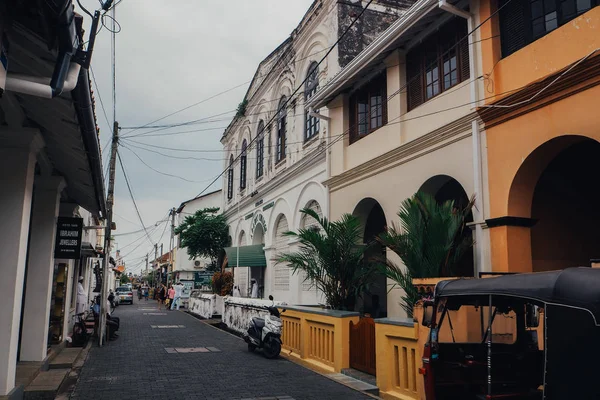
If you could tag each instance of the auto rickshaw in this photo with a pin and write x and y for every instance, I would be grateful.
(521, 336)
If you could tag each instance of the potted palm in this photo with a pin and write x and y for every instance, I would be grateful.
(333, 258)
(430, 241)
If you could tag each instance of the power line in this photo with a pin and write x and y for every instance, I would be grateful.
(295, 91)
(101, 102)
(160, 172)
(131, 195)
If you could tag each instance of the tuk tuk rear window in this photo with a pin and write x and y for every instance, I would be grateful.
(469, 323)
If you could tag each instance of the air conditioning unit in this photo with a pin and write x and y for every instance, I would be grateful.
(196, 264)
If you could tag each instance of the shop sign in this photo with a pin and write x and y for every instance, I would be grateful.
(68, 238)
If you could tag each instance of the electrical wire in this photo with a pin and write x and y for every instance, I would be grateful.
(101, 102)
(137, 210)
(160, 172)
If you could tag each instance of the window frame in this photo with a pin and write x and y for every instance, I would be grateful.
(510, 42)
(230, 179)
(243, 165)
(376, 87)
(281, 131)
(260, 150)
(428, 60)
(312, 124)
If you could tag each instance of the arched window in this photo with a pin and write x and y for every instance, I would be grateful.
(230, 179)
(311, 124)
(260, 149)
(243, 165)
(281, 130)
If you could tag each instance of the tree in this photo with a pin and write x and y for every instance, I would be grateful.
(430, 241)
(204, 234)
(333, 258)
(124, 279)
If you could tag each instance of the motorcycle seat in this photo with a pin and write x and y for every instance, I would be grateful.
(259, 322)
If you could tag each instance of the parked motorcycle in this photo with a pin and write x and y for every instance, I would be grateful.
(265, 333)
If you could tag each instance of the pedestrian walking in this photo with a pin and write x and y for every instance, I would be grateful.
(162, 295)
(178, 292)
(146, 292)
(171, 294)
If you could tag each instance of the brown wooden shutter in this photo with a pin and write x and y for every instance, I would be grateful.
(514, 25)
(463, 54)
(353, 121)
(415, 78)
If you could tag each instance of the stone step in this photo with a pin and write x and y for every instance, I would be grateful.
(361, 376)
(354, 383)
(65, 358)
(46, 384)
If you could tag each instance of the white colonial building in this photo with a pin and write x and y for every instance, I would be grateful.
(277, 150)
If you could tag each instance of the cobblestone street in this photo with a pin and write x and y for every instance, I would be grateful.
(174, 355)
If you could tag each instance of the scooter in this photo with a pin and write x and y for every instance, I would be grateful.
(265, 333)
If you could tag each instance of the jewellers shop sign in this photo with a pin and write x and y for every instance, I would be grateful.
(68, 238)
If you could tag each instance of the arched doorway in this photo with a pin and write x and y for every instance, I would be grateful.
(565, 208)
(258, 273)
(444, 188)
(373, 219)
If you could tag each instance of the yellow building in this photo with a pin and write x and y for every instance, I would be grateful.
(541, 69)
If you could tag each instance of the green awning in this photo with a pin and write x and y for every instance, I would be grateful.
(250, 256)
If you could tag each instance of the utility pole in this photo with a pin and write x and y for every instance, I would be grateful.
(172, 245)
(159, 266)
(107, 230)
(155, 261)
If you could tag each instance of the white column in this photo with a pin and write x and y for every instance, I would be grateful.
(17, 166)
(40, 268)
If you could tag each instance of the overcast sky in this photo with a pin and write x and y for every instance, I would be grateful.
(170, 55)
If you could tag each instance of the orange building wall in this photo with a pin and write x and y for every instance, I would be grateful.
(510, 143)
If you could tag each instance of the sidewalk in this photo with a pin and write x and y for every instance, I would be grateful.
(177, 356)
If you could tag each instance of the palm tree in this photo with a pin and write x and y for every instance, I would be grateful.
(333, 257)
(430, 241)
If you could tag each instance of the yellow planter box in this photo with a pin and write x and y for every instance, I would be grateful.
(398, 359)
(319, 338)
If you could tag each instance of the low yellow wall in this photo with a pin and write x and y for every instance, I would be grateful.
(320, 338)
(398, 360)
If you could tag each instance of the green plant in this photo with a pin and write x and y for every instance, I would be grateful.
(333, 258)
(222, 283)
(204, 234)
(241, 108)
(430, 241)
(124, 279)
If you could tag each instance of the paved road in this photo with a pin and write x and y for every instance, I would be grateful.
(153, 363)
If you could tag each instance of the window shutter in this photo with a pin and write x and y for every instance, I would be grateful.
(353, 122)
(230, 184)
(463, 54)
(415, 80)
(384, 102)
(513, 26)
(243, 172)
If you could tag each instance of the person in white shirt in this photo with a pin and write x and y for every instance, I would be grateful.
(178, 291)
(81, 297)
(254, 289)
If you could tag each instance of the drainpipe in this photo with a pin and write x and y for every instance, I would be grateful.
(478, 214)
(312, 113)
(66, 73)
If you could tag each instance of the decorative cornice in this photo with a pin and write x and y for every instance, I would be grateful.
(308, 162)
(582, 77)
(406, 152)
(510, 221)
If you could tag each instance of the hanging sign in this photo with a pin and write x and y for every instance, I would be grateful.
(68, 238)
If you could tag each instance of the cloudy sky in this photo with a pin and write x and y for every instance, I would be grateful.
(171, 55)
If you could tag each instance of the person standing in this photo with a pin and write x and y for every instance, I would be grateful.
(162, 295)
(178, 293)
(171, 294)
(81, 297)
(253, 289)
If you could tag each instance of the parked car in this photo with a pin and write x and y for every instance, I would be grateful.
(125, 294)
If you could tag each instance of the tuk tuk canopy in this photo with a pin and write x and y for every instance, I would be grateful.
(574, 287)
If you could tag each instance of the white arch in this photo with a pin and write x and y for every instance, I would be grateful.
(281, 207)
(312, 190)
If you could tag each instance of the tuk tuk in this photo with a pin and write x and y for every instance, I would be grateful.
(522, 336)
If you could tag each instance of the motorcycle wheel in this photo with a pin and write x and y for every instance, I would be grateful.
(251, 347)
(272, 349)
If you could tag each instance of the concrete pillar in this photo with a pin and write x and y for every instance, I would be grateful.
(18, 152)
(40, 268)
